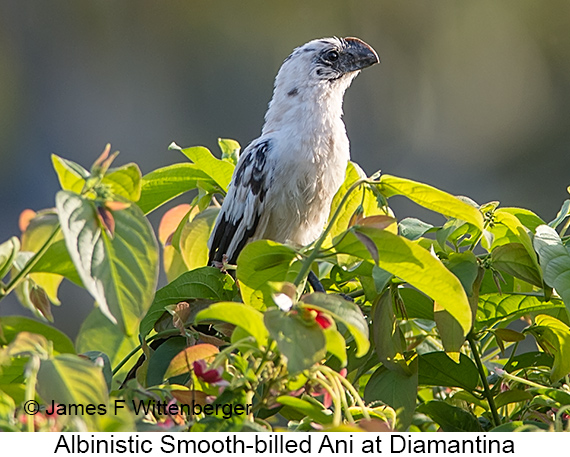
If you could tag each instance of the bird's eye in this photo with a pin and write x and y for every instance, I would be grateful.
(332, 56)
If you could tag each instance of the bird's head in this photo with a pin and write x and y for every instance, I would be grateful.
(328, 61)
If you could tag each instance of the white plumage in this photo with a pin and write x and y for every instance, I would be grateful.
(284, 182)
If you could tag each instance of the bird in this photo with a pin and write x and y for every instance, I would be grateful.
(284, 182)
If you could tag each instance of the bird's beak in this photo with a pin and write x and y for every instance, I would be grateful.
(358, 55)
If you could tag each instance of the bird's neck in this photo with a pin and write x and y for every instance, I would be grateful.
(308, 111)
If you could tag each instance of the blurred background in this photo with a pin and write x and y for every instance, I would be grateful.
(471, 97)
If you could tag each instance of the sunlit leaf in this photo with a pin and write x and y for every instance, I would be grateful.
(220, 171)
(431, 198)
(97, 333)
(416, 266)
(182, 362)
(71, 175)
(162, 185)
(495, 308)
(194, 238)
(120, 273)
(12, 325)
(124, 181)
(238, 314)
(260, 263)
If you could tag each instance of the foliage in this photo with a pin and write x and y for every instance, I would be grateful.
(413, 334)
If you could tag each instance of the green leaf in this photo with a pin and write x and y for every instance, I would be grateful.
(389, 340)
(412, 228)
(450, 418)
(10, 326)
(512, 396)
(353, 174)
(260, 263)
(463, 265)
(342, 311)
(8, 251)
(431, 198)
(513, 259)
(515, 229)
(194, 238)
(437, 369)
(68, 379)
(56, 260)
(306, 408)
(418, 305)
(120, 272)
(562, 214)
(527, 426)
(161, 358)
(206, 282)
(220, 171)
(415, 265)
(554, 260)
(238, 314)
(396, 390)
(230, 150)
(494, 308)
(125, 181)
(529, 360)
(336, 345)
(301, 342)
(97, 333)
(162, 185)
(554, 337)
(71, 175)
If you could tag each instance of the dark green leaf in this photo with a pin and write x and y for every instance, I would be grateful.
(450, 418)
(205, 282)
(513, 259)
(437, 369)
(395, 390)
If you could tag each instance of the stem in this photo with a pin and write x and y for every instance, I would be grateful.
(30, 264)
(139, 347)
(32, 377)
(306, 266)
(348, 386)
(487, 391)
